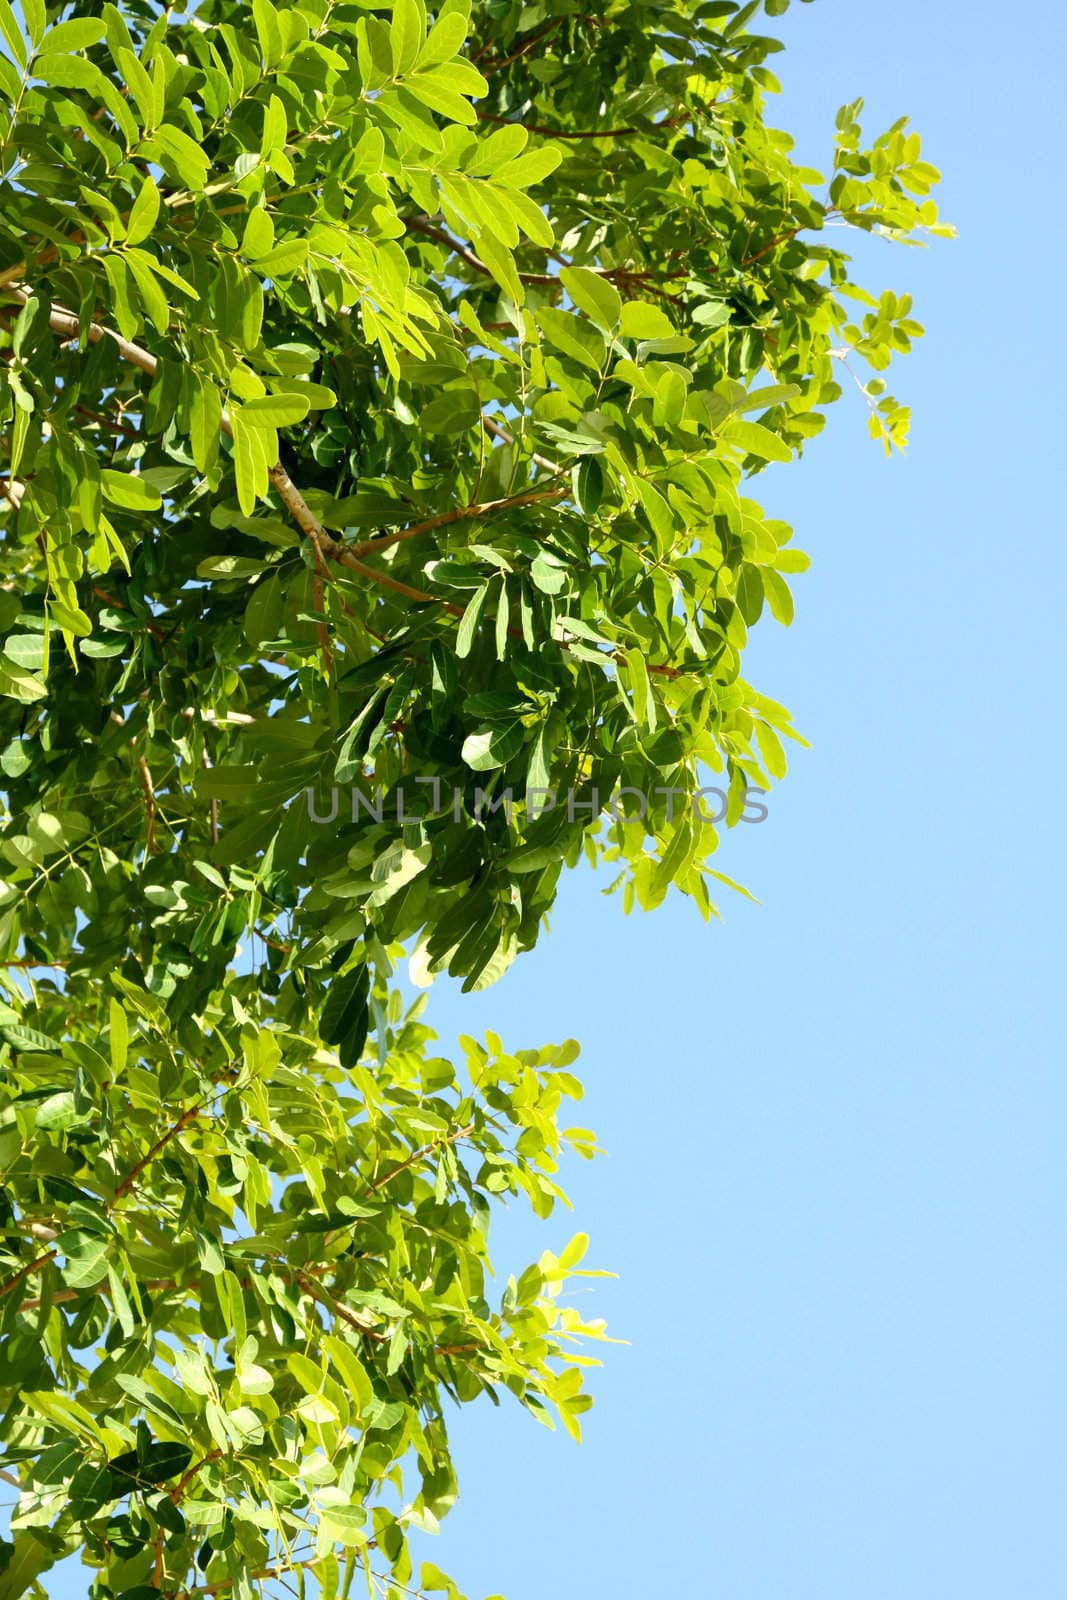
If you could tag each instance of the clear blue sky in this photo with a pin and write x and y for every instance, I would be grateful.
(835, 1191)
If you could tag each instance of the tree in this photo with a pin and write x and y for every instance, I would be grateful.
(378, 393)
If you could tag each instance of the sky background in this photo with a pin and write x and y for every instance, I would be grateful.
(834, 1191)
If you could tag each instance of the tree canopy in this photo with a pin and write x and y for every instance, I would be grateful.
(379, 392)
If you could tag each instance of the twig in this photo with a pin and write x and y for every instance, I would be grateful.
(417, 1155)
(420, 225)
(371, 547)
(31, 966)
(135, 1172)
(325, 546)
(535, 38)
(580, 133)
(338, 1308)
(108, 422)
(26, 1271)
(150, 805)
(502, 433)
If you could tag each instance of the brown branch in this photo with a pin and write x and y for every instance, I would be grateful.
(325, 546)
(212, 809)
(150, 804)
(385, 581)
(63, 1296)
(417, 1155)
(264, 1576)
(318, 592)
(66, 323)
(782, 238)
(419, 225)
(161, 1144)
(9, 1477)
(580, 133)
(29, 966)
(625, 277)
(371, 547)
(37, 1230)
(498, 66)
(108, 422)
(27, 1271)
(502, 433)
(191, 1472)
(338, 1308)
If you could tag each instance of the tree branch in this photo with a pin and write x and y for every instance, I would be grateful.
(502, 433)
(12, 490)
(420, 225)
(325, 546)
(417, 1155)
(580, 133)
(161, 1144)
(371, 547)
(150, 804)
(26, 1271)
(498, 66)
(624, 277)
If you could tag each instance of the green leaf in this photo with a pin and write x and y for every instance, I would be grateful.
(643, 321)
(22, 1038)
(283, 260)
(119, 1037)
(36, 20)
(129, 491)
(152, 297)
(16, 685)
(268, 31)
(68, 72)
(86, 1258)
(143, 215)
(756, 440)
(468, 623)
(445, 39)
(258, 235)
(574, 337)
(275, 410)
(158, 1462)
(345, 1010)
(124, 314)
(595, 295)
(77, 34)
(344, 1525)
(406, 31)
(452, 412)
(587, 480)
(181, 157)
(205, 423)
(12, 33)
(33, 1550)
(58, 1113)
(779, 597)
(493, 746)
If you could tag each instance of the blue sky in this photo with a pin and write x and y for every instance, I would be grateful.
(834, 1191)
